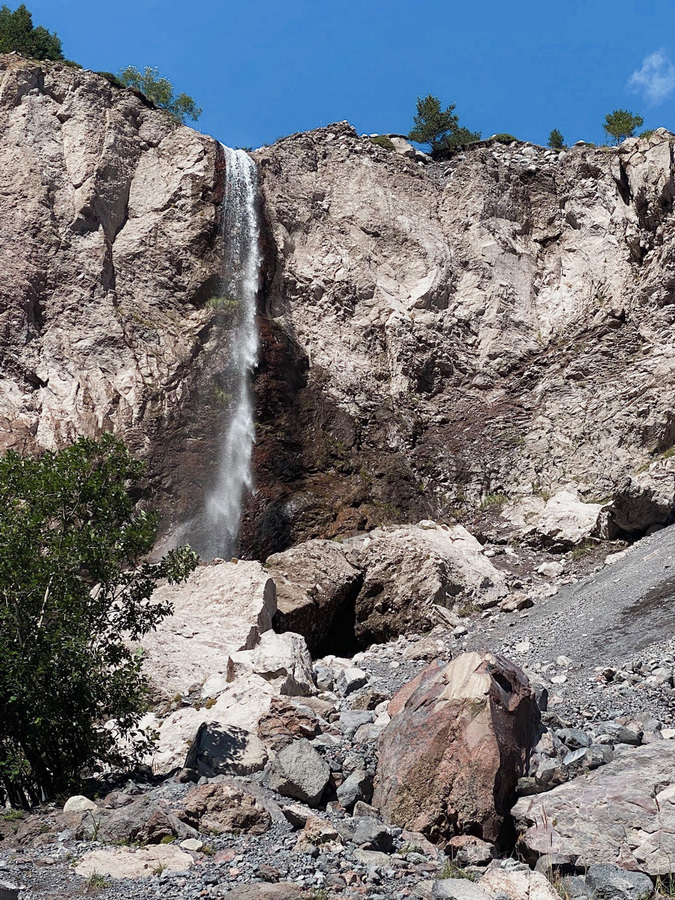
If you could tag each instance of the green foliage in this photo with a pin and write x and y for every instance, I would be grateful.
(73, 587)
(381, 140)
(17, 33)
(647, 134)
(160, 91)
(97, 882)
(493, 500)
(555, 140)
(621, 124)
(504, 138)
(439, 128)
(112, 79)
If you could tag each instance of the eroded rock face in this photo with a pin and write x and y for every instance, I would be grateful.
(435, 335)
(451, 756)
(109, 252)
(622, 813)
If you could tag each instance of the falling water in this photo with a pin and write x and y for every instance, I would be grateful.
(214, 531)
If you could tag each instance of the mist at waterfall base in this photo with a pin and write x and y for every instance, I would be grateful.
(214, 531)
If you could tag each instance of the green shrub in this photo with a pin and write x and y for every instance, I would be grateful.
(621, 124)
(647, 134)
(555, 140)
(439, 128)
(160, 91)
(381, 140)
(112, 79)
(74, 585)
(503, 138)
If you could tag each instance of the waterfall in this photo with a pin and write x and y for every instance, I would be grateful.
(215, 529)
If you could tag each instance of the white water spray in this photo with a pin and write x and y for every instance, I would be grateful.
(215, 530)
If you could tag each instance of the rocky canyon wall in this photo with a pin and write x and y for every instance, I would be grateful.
(433, 336)
(438, 335)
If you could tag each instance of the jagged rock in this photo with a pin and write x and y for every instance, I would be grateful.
(622, 813)
(350, 679)
(367, 832)
(123, 862)
(286, 722)
(559, 523)
(144, 821)
(357, 786)
(467, 850)
(220, 609)
(517, 882)
(280, 658)
(410, 569)
(223, 808)
(645, 499)
(298, 771)
(608, 882)
(225, 750)
(451, 757)
(316, 587)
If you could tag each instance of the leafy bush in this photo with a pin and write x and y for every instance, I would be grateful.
(621, 124)
(160, 91)
(555, 140)
(648, 133)
(439, 128)
(503, 138)
(381, 140)
(17, 33)
(73, 587)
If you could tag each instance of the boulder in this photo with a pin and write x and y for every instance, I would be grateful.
(607, 882)
(516, 881)
(223, 808)
(646, 499)
(282, 659)
(299, 772)
(357, 786)
(220, 609)
(367, 832)
(622, 813)
(78, 804)
(559, 523)
(410, 569)
(316, 587)
(287, 721)
(451, 757)
(123, 862)
(225, 750)
(285, 890)
(457, 889)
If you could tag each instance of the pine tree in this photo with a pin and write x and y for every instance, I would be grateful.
(17, 33)
(438, 127)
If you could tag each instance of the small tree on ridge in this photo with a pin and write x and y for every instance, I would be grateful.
(17, 33)
(621, 124)
(160, 91)
(438, 127)
(555, 140)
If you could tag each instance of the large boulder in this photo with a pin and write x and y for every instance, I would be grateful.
(410, 569)
(220, 609)
(124, 862)
(622, 813)
(646, 499)
(450, 758)
(225, 750)
(558, 523)
(299, 772)
(224, 808)
(316, 588)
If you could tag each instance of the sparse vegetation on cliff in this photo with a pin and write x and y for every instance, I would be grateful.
(161, 92)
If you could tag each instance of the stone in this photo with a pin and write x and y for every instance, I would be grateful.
(298, 771)
(372, 859)
(367, 832)
(225, 750)
(560, 522)
(357, 786)
(573, 738)
(287, 721)
(323, 678)
(585, 821)
(79, 804)
(352, 719)
(551, 569)
(608, 882)
(192, 845)
(350, 679)
(123, 862)
(220, 609)
(9, 891)
(224, 808)
(516, 883)
(458, 889)
(145, 821)
(620, 734)
(282, 659)
(317, 833)
(467, 850)
(410, 569)
(452, 755)
(284, 890)
(316, 587)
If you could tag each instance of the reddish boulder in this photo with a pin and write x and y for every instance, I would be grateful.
(453, 752)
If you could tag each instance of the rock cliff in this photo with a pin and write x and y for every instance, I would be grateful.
(438, 335)
(109, 252)
(435, 337)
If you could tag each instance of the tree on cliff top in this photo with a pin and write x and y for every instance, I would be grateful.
(438, 127)
(621, 124)
(73, 587)
(17, 33)
(160, 91)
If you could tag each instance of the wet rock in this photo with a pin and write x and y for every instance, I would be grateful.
(298, 771)
(452, 756)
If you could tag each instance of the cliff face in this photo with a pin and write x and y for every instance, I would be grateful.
(435, 334)
(431, 334)
(109, 251)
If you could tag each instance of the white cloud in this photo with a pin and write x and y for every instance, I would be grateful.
(656, 79)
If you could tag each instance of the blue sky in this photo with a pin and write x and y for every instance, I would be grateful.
(265, 68)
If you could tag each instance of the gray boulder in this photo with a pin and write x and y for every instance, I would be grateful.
(367, 832)
(352, 719)
(225, 750)
(8, 891)
(299, 772)
(457, 889)
(358, 786)
(608, 882)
